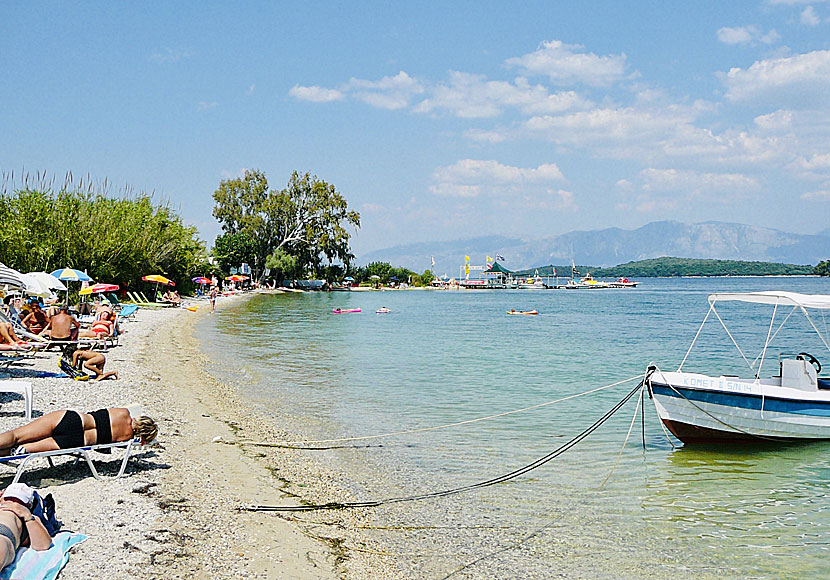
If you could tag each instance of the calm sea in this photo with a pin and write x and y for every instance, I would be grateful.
(446, 356)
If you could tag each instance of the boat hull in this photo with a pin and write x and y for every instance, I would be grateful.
(724, 409)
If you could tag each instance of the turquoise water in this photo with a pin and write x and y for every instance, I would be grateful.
(445, 356)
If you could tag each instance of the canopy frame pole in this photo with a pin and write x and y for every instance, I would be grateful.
(818, 332)
(691, 346)
(764, 351)
(732, 338)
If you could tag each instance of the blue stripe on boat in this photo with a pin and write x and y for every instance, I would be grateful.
(747, 401)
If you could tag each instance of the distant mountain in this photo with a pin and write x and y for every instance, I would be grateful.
(612, 246)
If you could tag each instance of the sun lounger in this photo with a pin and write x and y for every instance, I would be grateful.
(77, 452)
(128, 311)
(22, 388)
(137, 299)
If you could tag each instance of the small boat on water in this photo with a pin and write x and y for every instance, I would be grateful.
(383, 310)
(791, 404)
(344, 310)
(525, 312)
(623, 282)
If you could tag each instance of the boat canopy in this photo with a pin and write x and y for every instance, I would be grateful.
(821, 301)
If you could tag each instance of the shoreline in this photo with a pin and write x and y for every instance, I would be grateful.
(175, 512)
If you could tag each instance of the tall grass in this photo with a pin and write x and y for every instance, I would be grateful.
(115, 236)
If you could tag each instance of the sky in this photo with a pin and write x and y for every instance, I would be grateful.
(435, 120)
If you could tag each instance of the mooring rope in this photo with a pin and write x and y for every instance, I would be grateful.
(293, 444)
(499, 479)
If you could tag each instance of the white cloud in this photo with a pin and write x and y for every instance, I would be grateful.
(315, 94)
(472, 96)
(803, 77)
(169, 56)
(779, 120)
(819, 195)
(693, 181)
(476, 178)
(206, 105)
(747, 35)
(569, 64)
(818, 161)
(387, 93)
(809, 17)
(473, 170)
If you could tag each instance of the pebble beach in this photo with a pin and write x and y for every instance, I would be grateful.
(176, 511)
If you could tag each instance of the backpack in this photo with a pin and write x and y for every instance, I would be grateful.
(44, 508)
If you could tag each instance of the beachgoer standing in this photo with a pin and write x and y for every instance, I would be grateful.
(214, 292)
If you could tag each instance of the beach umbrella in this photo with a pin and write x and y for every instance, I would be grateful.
(236, 278)
(72, 275)
(158, 279)
(35, 287)
(348, 279)
(98, 288)
(48, 280)
(201, 280)
(11, 278)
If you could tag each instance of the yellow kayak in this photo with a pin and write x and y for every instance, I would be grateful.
(529, 312)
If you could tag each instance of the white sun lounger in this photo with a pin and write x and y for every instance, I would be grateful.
(77, 452)
(23, 388)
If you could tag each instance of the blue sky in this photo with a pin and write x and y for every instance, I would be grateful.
(436, 120)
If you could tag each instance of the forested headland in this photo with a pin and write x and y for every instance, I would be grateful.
(668, 267)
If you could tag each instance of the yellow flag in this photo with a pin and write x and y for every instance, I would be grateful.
(466, 268)
(489, 259)
(466, 258)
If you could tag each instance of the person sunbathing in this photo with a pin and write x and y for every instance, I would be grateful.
(62, 326)
(69, 429)
(18, 527)
(7, 334)
(98, 329)
(36, 320)
(93, 361)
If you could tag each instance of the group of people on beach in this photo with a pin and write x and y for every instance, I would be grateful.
(21, 521)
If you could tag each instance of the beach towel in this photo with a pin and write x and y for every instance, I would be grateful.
(33, 565)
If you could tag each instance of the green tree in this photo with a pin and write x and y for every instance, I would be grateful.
(308, 219)
(822, 268)
(283, 266)
(232, 250)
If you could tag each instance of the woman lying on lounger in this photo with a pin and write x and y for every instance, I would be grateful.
(69, 429)
(17, 524)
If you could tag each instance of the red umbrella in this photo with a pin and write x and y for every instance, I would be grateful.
(201, 280)
(98, 288)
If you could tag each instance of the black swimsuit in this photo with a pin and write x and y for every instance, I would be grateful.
(69, 432)
(102, 426)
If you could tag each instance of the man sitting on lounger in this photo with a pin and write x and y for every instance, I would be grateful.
(18, 527)
(62, 326)
(93, 361)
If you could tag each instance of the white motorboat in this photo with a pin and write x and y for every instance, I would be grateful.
(791, 404)
(623, 282)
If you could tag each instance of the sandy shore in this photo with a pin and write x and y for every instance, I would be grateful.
(175, 513)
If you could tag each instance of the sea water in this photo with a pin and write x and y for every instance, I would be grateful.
(651, 508)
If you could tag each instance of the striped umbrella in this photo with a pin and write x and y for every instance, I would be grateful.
(10, 278)
(71, 274)
(98, 288)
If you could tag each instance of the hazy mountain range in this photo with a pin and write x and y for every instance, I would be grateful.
(614, 246)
